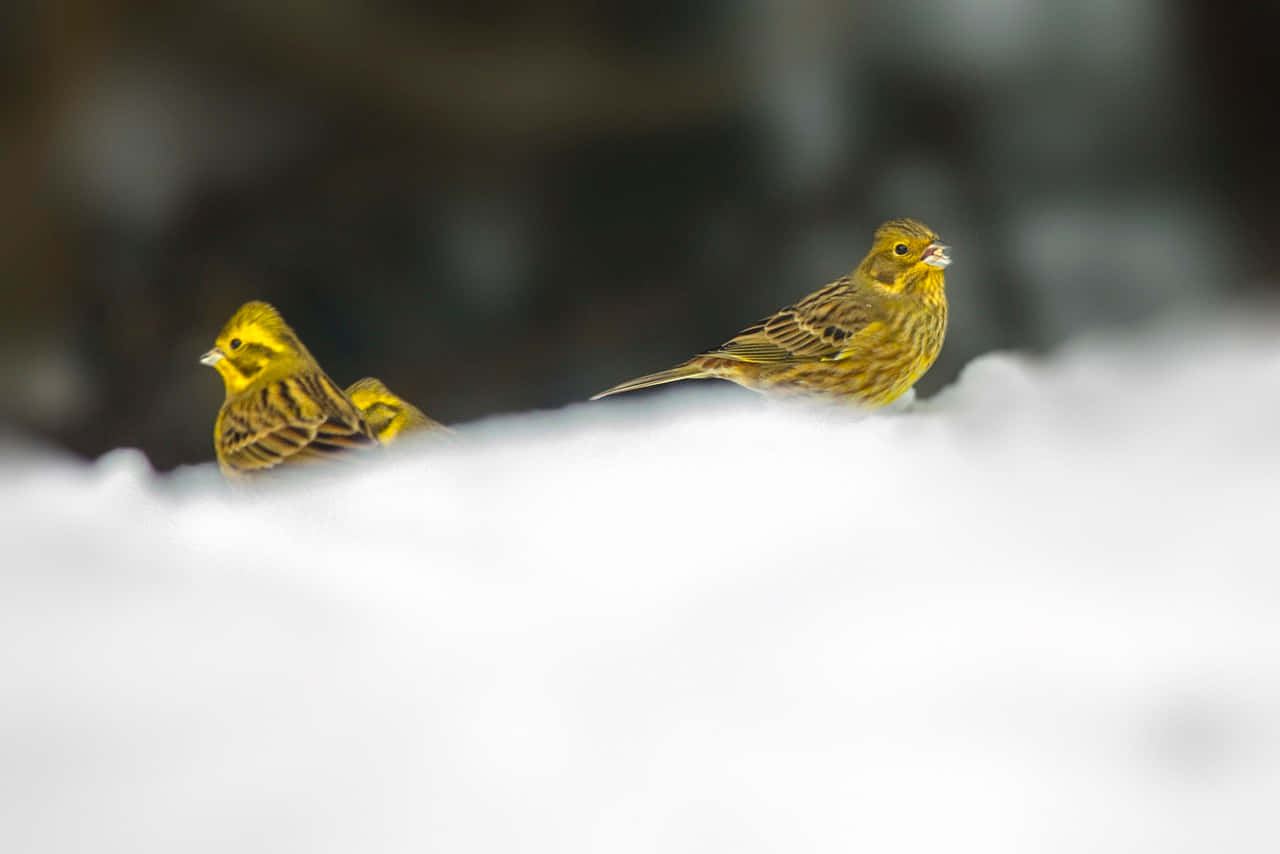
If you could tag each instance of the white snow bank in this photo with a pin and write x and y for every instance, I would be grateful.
(1039, 612)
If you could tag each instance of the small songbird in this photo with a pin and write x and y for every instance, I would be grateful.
(388, 414)
(864, 339)
(280, 407)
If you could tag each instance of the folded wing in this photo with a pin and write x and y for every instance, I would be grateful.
(301, 418)
(821, 326)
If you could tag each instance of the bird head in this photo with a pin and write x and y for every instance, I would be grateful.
(255, 344)
(388, 415)
(904, 250)
(377, 403)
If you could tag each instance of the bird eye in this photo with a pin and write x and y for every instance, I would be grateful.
(900, 249)
(235, 343)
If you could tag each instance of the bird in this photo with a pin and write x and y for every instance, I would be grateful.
(864, 339)
(388, 414)
(280, 407)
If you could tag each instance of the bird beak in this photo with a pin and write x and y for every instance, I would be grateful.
(213, 357)
(937, 255)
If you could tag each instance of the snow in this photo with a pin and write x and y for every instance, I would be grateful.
(1037, 612)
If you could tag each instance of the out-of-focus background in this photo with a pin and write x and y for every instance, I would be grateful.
(497, 205)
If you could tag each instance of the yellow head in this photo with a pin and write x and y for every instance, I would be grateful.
(387, 414)
(255, 347)
(904, 251)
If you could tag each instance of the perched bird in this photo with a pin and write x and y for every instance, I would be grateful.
(280, 407)
(863, 339)
(388, 414)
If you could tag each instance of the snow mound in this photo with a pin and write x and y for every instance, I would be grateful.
(1037, 612)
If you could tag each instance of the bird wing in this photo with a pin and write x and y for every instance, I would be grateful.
(298, 418)
(819, 327)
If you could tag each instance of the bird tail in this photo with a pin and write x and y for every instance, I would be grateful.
(686, 371)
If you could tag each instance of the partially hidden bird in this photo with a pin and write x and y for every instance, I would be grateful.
(390, 415)
(280, 408)
(864, 339)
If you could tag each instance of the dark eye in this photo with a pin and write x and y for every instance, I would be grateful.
(235, 343)
(900, 249)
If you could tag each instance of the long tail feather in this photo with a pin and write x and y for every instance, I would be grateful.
(680, 372)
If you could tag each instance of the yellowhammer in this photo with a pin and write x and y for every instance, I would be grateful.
(865, 338)
(280, 407)
(388, 414)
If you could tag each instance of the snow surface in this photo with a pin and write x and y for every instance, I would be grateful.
(1035, 613)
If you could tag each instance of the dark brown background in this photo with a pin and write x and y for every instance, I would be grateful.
(498, 205)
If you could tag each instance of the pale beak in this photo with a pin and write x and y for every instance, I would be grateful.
(213, 357)
(937, 255)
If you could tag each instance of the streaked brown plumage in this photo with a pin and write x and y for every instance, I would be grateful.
(280, 406)
(388, 414)
(863, 339)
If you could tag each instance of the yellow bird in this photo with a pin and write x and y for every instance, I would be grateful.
(388, 414)
(280, 406)
(863, 339)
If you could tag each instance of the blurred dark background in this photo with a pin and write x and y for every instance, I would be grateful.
(497, 205)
